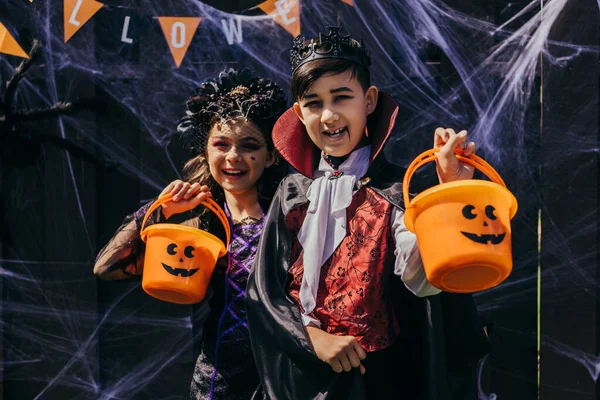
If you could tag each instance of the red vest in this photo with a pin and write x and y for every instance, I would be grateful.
(354, 295)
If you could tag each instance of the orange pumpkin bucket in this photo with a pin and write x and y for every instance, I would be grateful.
(179, 259)
(462, 227)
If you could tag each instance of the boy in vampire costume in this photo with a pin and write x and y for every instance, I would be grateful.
(338, 303)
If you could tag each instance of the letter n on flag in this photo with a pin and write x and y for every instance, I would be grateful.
(285, 12)
(77, 13)
(8, 44)
(179, 32)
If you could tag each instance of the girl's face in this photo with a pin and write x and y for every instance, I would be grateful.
(237, 156)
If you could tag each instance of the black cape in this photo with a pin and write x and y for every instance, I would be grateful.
(452, 337)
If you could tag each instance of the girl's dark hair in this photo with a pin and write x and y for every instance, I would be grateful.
(232, 96)
(310, 72)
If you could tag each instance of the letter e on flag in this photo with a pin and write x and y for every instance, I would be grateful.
(285, 12)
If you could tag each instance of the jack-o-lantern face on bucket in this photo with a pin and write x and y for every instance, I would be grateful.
(470, 212)
(183, 257)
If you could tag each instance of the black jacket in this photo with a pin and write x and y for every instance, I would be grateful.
(451, 334)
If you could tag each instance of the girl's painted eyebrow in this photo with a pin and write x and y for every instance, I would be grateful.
(245, 138)
(332, 91)
(220, 137)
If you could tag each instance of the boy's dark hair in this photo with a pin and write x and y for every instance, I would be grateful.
(306, 74)
(333, 53)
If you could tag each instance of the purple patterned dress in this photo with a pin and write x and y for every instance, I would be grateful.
(225, 368)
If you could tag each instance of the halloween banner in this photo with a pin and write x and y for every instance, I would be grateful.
(178, 31)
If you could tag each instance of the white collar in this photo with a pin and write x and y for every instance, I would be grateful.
(324, 226)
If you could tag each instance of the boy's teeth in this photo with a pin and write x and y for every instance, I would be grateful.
(335, 132)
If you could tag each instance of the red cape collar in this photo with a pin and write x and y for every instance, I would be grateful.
(293, 143)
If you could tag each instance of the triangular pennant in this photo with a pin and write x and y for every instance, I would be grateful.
(8, 44)
(285, 12)
(77, 13)
(179, 32)
(349, 2)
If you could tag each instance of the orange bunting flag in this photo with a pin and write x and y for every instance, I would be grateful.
(349, 2)
(8, 44)
(179, 32)
(77, 13)
(285, 12)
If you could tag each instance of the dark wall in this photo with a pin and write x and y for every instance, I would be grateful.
(570, 219)
(521, 77)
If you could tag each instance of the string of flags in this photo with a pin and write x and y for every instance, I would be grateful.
(178, 31)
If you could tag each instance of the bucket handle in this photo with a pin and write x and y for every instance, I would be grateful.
(430, 155)
(208, 203)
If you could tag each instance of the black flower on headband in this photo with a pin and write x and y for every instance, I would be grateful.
(233, 95)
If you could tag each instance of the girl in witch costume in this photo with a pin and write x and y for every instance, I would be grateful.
(338, 303)
(229, 121)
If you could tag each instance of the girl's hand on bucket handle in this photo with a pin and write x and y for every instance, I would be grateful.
(342, 353)
(186, 196)
(447, 165)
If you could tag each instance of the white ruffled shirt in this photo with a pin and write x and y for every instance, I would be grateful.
(324, 228)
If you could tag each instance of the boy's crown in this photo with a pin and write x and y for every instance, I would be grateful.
(333, 45)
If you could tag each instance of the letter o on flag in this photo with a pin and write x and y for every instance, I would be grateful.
(178, 35)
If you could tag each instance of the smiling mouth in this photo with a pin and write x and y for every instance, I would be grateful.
(484, 239)
(184, 273)
(337, 133)
(232, 172)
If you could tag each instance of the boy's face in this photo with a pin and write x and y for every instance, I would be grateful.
(334, 111)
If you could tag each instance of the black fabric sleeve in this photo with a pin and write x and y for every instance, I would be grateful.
(123, 256)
